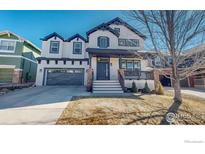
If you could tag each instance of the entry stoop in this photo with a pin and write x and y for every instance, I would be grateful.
(107, 87)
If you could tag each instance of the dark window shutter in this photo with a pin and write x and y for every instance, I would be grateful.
(108, 42)
(98, 41)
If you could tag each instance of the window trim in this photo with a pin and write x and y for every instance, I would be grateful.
(75, 53)
(127, 44)
(51, 47)
(8, 51)
(107, 41)
(128, 60)
(117, 29)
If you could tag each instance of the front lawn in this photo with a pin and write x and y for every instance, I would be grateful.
(131, 110)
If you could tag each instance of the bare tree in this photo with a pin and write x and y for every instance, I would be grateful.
(173, 32)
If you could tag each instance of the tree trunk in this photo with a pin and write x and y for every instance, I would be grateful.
(177, 91)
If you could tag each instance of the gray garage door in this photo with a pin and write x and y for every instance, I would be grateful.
(65, 76)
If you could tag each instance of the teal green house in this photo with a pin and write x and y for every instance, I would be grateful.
(18, 62)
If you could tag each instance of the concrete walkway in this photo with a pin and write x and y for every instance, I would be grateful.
(190, 91)
(39, 105)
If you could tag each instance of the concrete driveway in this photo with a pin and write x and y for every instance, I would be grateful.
(37, 105)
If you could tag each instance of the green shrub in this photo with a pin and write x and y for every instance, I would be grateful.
(160, 89)
(146, 89)
(134, 87)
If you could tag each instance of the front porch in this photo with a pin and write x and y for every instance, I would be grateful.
(124, 67)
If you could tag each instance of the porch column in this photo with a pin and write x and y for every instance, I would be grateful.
(156, 74)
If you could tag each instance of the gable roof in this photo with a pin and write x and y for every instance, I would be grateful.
(76, 36)
(9, 33)
(122, 22)
(103, 26)
(54, 34)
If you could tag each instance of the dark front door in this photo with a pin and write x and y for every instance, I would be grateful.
(165, 81)
(103, 68)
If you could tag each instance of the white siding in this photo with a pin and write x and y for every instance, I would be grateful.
(126, 33)
(114, 67)
(46, 48)
(94, 36)
(140, 83)
(68, 49)
(65, 49)
(94, 66)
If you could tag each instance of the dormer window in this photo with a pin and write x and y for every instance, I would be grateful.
(117, 30)
(77, 47)
(54, 47)
(103, 42)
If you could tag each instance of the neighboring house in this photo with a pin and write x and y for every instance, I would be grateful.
(197, 79)
(109, 59)
(17, 59)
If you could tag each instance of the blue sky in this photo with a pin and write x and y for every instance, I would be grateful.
(34, 25)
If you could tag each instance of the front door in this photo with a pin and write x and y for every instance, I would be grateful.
(103, 68)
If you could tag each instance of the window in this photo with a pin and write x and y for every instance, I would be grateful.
(123, 64)
(7, 45)
(136, 64)
(170, 60)
(128, 42)
(103, 42)
(117, 30)
(130, 64)
(54, 47)
(157, 61)
(77, 47)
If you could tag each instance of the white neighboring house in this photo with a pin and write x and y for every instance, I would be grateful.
(108, 48)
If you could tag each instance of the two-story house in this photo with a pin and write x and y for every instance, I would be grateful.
(111, 52)
(18, 62)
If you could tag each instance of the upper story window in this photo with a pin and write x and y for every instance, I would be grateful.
(170, 60)
(77, 47)
(103, 42)
(7, 45)
(128, 42)
(54, 47)
(157, 61)
(117, 30)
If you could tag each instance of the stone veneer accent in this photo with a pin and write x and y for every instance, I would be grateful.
(17, 75)
(90, 76)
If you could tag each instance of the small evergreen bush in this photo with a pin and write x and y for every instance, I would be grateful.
(146, 89)
(134, 87)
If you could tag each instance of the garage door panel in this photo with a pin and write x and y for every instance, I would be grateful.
(65, 77)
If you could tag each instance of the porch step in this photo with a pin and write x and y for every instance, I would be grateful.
(105, 81)
(107, 86)
(108, 92)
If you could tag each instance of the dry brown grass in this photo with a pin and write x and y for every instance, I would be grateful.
(145, 109)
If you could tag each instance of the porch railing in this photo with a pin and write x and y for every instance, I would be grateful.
(137, 74)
